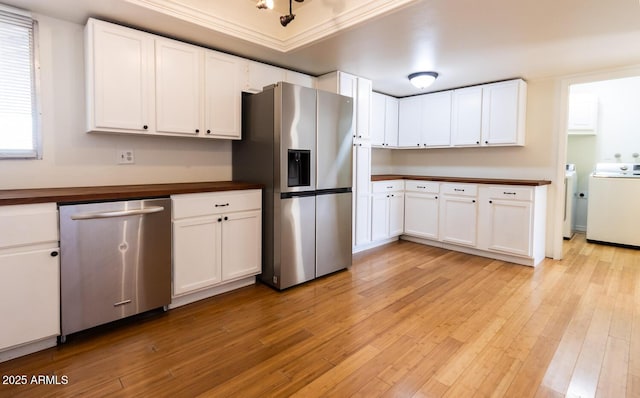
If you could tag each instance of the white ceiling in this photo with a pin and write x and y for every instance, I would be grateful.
(466, 41)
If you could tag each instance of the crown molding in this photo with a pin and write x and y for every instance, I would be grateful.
(292, 39)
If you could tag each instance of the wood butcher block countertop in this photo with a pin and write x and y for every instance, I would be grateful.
(115, 192)
(497, 181)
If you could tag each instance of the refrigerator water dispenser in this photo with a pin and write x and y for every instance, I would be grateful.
(299, 168)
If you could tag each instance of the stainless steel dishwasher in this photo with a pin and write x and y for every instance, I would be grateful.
(115, 261)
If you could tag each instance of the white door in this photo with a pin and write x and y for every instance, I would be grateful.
(363, 104)
(379, 216)
(178, 87)
(396, 214)
(378, 106)
(123, 70)
(500, 113)
(391, 122)
(196, 253)
(409, 122)
(421, 215)
(466, 122)
(458, 220)
(510, 227)
(436, 119)
(222, 96)
(241, 244)
(29, 296)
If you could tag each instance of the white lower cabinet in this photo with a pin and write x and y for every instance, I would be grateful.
(507, 222)
(216, 239)
(458, 214)
(387, 209)
(29, 279)
(421, 209)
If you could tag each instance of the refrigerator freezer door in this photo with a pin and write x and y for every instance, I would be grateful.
(296, 122)
(297, 241)
(334, 143)
(333, 232)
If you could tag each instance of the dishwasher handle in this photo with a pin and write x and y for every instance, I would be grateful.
(117, 213)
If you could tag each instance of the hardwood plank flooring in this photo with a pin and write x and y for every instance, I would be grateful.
(405, 321)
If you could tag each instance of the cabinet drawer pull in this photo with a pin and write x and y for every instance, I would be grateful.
(54, 253)
(458, 190)
(145, 127)
(226, 218)
(390, 187)
(123, 302)
(473, 201)
(509, 193)
(421, 187)
(224, 205)
(220, 219)
(491, 201)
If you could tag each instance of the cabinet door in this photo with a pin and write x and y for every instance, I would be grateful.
(29, 296)
(363, 104)
(361, 193)
(241, 244)
(196, 253)
(120, 78)
(362, 168)
(501, 113)
(421, 215)
(362, 219)
(222, 96)
(409, 122)
(378, 105)
(178, 87)
(379, 216)
(262, 75)
(458, 220)
(510, 227)
(466, 123)
(396, 214)
(299, 78)
(391, 122)
(436, 119)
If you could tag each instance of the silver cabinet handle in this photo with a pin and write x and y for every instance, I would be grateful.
(119, 303)
(117, 213)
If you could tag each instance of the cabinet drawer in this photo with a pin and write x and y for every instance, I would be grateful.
(511, 192)
(387, 186)
(28, 224)
(202, 204)
(421, 186)
(460, 189)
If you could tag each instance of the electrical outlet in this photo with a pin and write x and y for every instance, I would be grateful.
(125, 156)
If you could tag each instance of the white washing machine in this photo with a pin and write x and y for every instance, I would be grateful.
(570, 198)
(612, 215)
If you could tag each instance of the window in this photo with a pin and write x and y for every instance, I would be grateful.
(19, 127)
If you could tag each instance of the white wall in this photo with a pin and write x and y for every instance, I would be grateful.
(72, 157)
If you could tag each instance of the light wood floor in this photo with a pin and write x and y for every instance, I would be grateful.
(405, 321)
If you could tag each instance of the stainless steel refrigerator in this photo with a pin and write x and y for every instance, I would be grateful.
(297, 141)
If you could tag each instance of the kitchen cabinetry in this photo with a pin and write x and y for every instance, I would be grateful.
(260, 75)
(458, 214)
(120, 78)
(425, 121)
(421, 209)
(490, 114)
(384, 121)
(387, 209)
(511, 218)
(216, 239)
(182, 90)
(583, 113)
(29, 278)
(362, 193)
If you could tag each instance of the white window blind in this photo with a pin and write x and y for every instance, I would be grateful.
(19, 130)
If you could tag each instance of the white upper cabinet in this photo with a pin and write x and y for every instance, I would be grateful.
(222, 96)
(504, 113)
(384, 121)
(466, 123)
(260, 75)
(410, 122)
(120, 78)
(178, 88)
(357, 88)
(436, 119)
(300, 79)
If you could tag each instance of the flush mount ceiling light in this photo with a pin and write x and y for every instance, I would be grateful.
(423, 80)
(268, 4)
